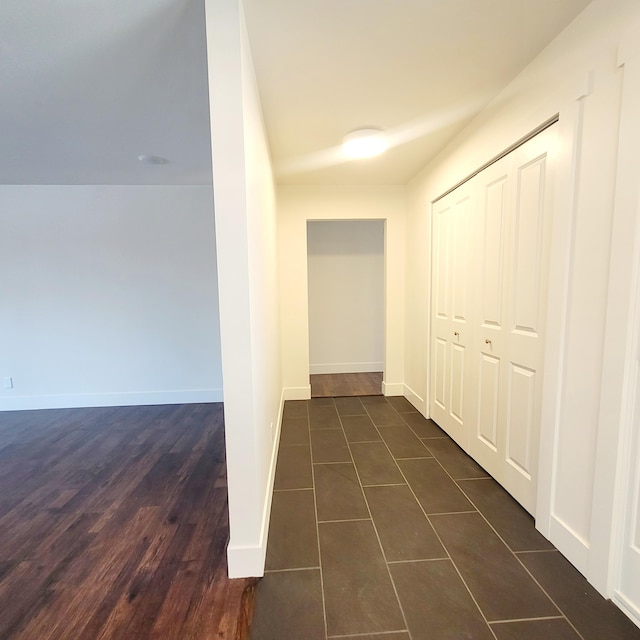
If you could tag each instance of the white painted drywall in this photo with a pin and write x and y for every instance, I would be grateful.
(577, 76)
(108, 296)
(247, 257)
(346, 295)
(296, 206)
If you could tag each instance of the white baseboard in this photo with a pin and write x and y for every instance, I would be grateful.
(570, 544)
(416, 400)
(346, 367)
(189, 396)
(297, 393)
(392, 388)
(248, 562)
(245, 562)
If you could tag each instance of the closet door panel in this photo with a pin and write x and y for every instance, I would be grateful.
(440, 374)
(528, 254)
(488, 396)
(441, 224)
(495, 194)
(457, 382)
(528, 258)
(520, 425)
(490, 283)
(451, 308)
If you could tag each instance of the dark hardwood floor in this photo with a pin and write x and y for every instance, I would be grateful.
(114, 525)
(334, 385)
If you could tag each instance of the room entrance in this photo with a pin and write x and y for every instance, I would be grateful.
(345, 261)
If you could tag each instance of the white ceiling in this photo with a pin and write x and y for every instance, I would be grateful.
(88, 85)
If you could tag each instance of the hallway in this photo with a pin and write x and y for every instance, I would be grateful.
(382, 528)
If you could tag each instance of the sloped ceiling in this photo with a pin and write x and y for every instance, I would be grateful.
(89, 85)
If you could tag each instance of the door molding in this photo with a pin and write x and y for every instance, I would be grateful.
(621, 342)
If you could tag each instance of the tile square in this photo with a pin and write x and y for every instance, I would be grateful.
(295, 409)
(423, 427)
(293, 540)
(435, 490)
(514, 525)
(404, 530)
(294, 431)
(359, 596)
(376, 399)
(360, 429)
(401, 404)
(329, 445)
(454, 460)
(593, 616)
(535, 630)
(320, 402)
(498, 582)
(288, 604)
(375, 464)
(324, 417)
(436, 603)
(403, 443)
(349, 406)
(293, 470)
(338, 492)
(384, 415)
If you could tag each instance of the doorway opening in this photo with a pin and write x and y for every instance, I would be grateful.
(346, 262)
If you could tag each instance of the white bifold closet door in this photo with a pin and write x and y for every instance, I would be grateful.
(451, 310)
(486, 372)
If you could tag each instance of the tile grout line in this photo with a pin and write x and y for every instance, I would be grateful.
(290, 569)
(375, 529)
(439, 538)
(418, 560)
(344, 520)
(527, 619)
(456, 482)
(514, 553)
(377, 634)
(315, 507)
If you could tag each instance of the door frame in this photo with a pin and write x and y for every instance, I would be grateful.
(384, 271)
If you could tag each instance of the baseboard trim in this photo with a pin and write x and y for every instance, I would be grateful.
(249, 561)
(416, 400)
(189, 396)
(245, 562)
(346, 367)
(570, 544)
(392, 389)
(297, 393)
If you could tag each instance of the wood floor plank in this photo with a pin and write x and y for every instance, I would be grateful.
(114, 524)
(332, 385)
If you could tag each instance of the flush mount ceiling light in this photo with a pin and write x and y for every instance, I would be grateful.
(147, 159)
(364, 143)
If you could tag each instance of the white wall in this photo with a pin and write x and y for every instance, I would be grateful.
(346, 296)
(108, 296)
(296, 206)
(578, 77)
(247, 277)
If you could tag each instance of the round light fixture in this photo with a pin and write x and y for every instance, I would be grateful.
(364, 143)
(147, 159)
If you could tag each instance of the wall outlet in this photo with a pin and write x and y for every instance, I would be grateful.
(8, 382)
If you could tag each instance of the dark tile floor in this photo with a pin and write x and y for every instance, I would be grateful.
(383, 529)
